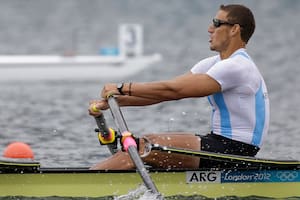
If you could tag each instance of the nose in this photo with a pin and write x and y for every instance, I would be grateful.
(211, 28)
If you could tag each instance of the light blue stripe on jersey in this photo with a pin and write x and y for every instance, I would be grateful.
(226, 129)
(260, 117)
(242, 54)
(259, 112)
(212, 114)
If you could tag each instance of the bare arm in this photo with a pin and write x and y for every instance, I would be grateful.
(142, 94)
(187, 85)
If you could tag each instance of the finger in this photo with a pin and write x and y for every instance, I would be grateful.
(93, 113)
(93, 102)
(95, 108)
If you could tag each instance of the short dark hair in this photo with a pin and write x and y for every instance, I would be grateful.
(239, 14)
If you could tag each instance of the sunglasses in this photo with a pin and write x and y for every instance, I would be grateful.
(217, 23)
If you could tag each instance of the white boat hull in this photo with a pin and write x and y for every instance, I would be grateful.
(52, 68)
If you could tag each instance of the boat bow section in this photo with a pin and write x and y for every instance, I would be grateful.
(18, 166)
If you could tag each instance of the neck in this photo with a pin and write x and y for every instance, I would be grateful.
(231, 49)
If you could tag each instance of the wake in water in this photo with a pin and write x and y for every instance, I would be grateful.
(140, 193)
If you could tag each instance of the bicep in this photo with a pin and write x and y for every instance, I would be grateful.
(196, 85)
(184, 86)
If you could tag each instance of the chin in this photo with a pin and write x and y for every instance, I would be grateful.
(213, 48)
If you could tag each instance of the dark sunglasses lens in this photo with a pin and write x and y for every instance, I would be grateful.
(216, 23)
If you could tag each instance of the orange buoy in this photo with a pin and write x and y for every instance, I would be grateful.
(18, 150)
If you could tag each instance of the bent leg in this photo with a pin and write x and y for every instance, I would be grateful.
(158, 159)
(166, 160)
(119, 161)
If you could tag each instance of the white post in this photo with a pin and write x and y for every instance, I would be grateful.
(131, 40)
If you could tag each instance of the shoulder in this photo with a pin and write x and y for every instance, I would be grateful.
(235, 71)
(204, 65)
(238, 62)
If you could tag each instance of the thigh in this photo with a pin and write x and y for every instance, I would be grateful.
(160, 159)
(176, 139)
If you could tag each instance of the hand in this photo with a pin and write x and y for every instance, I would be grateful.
(96, 106)
(109, 89)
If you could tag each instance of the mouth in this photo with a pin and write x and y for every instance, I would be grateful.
(210, 38)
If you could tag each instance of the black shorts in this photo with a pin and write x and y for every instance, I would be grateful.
(219, 144)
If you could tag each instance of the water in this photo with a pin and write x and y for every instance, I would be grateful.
(52, 116)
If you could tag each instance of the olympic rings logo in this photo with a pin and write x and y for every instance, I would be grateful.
(287, 175)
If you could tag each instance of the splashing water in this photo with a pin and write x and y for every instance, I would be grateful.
(140, 193)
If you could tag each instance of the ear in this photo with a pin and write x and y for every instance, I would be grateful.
(235, 30)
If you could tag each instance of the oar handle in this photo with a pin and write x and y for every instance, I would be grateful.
(106, 135)
(132, 146)
(101, 123)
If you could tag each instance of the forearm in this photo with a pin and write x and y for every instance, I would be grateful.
(155, 91)
(135, 101)
(102, 104)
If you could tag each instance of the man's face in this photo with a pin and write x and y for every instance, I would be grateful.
(219, 32)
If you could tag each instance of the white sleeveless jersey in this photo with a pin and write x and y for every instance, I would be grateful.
(241, 111)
